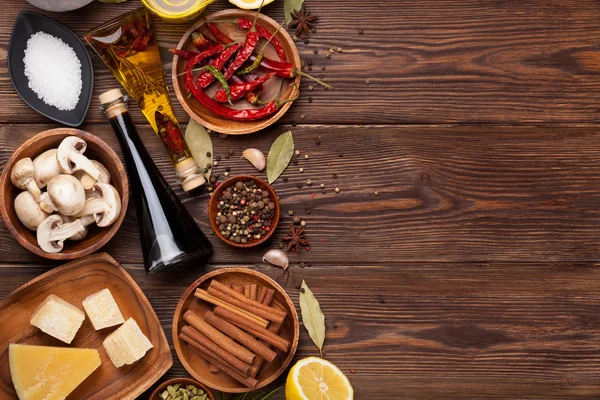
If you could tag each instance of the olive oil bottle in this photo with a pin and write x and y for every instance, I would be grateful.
(128, 47)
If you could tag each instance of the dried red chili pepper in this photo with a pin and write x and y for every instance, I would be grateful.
(205, 54)
(252, 38)
(253, 96)
(200, 41)
(245, 52)
(206, 78)
(232, 114)
(218, 34)
(239, 90)
(265, 34)
(284, 70)
(169, 132)
(188, 55)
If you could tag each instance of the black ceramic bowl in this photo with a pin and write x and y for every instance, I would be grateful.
(27, 24)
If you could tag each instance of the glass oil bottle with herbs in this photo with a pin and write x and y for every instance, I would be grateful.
(128, 46)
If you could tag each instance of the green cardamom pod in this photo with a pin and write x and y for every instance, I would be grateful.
(171, 391)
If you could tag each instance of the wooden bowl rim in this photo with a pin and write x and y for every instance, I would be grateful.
(107, 233)
(183, 381)
(177, 343)
(253, 126)
(225, 184)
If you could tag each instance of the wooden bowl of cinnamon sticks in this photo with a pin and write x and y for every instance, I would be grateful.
(235, 330)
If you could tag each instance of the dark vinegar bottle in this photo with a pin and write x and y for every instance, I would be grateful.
(168, 233)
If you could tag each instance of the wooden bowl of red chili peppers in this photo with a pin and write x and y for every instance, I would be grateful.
(236, 71)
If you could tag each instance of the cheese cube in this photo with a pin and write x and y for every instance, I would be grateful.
(58, 318)
(127, 344)
(103, 310)
(41, 372)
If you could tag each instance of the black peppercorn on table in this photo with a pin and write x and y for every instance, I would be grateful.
(450, 196)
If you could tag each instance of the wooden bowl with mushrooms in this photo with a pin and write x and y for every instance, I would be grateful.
(63, 194)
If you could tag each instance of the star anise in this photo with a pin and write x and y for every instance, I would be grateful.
(303, 21)
(295, 239)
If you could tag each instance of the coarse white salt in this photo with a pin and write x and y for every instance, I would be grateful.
(53, 70)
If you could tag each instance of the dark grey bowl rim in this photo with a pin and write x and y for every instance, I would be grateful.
(87, 60)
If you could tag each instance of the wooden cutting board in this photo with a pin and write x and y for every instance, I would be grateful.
(74, 282)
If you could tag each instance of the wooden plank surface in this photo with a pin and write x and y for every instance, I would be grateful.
(434, 61)
(473, 273)
(444, 193)
(469, 331)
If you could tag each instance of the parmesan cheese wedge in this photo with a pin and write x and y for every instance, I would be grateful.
(49, 373)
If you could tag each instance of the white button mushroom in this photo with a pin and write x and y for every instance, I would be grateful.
(22, 177)
(88, 181)
(65, 194)
(105, 208)
(28, 211)
(70, 157)
(45, 167)
(52, 233)
(86, 221)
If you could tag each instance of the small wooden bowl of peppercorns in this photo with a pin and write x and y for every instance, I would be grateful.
(244, 211)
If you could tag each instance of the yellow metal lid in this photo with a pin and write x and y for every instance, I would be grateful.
(182, 10)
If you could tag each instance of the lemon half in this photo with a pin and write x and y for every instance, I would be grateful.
(316, 379)
(250, 4)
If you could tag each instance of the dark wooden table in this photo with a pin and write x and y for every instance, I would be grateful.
(474, 272)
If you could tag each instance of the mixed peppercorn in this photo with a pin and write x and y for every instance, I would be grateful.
(245, 212)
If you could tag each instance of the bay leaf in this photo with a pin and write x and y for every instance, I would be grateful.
(289, 6)
(200, 144)
(312, 316)
(280, 155)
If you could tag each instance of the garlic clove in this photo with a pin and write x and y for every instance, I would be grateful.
(277, 258)
(256, 158)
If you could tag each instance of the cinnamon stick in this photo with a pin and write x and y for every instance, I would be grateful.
(221, 340)
(214, 359)
(253, 291)
(247, 291)
(274, 327)
(232, 297)
(225, 289)
(204, 295)
(269, 293)
(238, 288)
(253, 328)
(261, 295)
(240, 336)
(221, 354)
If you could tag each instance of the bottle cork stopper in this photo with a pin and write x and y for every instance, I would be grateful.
(110, 96)
(186, 168)
(192, 182)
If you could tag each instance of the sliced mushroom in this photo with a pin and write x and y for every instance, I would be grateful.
(65, 194)
(28, 210)
(106, 208)
(88, 181)
(71, 159)
(22, 177)
(45, 167)
(52, 233)
(86, 221)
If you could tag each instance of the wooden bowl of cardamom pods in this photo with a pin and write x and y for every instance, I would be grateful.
(177, 386)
